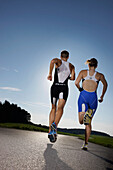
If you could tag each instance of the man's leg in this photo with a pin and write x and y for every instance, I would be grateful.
(55, 117)
(59, 112)
(52, 115)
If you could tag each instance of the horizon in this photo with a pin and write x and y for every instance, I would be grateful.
(48, 125)
(34, 33)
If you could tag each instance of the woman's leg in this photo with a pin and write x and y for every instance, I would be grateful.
(81, 117)
(87, 133)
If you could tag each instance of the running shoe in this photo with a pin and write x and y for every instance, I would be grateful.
(87, 117)
(54, 127)
(52, 135)
(85, 147)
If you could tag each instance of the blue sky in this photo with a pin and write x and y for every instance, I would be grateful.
(32, 32)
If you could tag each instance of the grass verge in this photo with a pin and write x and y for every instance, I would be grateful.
(101, 140)
(23, 126)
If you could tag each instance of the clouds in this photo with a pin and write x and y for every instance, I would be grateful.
(41, 104)
(15, 70)
(10, 89)
(7, 69)
(4, 69)
(36, 104)
(14, 89)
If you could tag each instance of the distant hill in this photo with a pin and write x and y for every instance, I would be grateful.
(81, 131)
(75, 131)
(11, 113)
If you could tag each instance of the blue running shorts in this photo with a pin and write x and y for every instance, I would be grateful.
(87, 100)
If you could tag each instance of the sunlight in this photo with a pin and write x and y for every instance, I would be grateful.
(46, 83)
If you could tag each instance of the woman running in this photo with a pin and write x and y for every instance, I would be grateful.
(88, 101)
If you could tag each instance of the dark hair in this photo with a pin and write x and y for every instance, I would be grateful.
(93, 62)
(64, 54)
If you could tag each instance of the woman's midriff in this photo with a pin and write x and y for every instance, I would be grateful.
(89, 85)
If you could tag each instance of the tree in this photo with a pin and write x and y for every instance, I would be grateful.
(12, 113)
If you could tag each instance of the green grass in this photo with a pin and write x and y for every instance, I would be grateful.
(101, 140)
(23, 127)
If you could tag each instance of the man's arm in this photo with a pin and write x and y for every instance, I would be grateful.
(72, 70)
(104, 82)
(78, 80)
(57, 62)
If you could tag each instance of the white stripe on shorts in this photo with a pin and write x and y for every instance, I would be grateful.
(61, 95)
(83, 107)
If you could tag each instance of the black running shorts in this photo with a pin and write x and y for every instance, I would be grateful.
(58, 92)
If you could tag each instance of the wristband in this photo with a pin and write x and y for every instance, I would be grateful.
(81, 89)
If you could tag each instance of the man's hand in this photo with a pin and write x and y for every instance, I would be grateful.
(49, 77)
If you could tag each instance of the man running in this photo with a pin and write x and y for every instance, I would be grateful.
(64, 71)
(87, 102)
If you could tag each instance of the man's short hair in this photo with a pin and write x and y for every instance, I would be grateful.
(64, 54)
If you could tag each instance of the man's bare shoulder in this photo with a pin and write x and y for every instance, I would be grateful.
(71, 66)
(56, 61)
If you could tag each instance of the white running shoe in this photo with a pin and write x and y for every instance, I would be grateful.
(84, 147)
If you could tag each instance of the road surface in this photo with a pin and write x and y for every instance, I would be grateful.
(26, 150)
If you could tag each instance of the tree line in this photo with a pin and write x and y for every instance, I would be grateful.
(11, 113)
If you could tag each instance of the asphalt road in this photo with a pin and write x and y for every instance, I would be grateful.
(26, 150)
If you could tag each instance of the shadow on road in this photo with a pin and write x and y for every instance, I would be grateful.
(107, 160)
(52, 161)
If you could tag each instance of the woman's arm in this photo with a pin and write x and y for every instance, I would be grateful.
(104, 82)
(80, 76)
